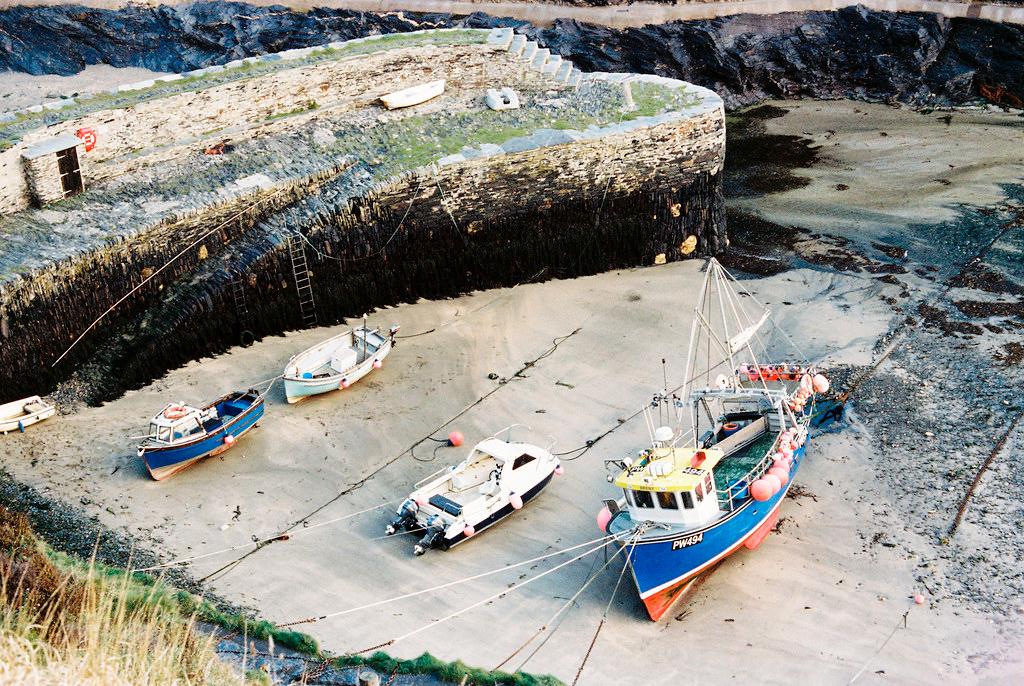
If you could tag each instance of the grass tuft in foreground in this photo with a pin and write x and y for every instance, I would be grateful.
(67, 621)
(91, 629)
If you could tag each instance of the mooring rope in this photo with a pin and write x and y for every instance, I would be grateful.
(165, 266)
(309, 620)
(608, 607)
(488, 599)
(544, 627)
(380, 251)
(261, 541)
(901, 623)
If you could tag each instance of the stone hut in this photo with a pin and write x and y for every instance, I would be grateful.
(53, 169)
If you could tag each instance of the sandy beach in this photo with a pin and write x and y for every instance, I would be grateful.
(813, 603)
(827, 598)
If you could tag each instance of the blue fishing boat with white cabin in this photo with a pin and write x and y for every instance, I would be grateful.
(714, 482)
(181, 435)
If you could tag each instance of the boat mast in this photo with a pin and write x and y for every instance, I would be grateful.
(691, 353)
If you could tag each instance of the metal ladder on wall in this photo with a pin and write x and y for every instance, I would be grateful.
(238, 295)
(303, 286)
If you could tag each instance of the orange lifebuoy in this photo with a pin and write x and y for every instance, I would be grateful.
(175, 412)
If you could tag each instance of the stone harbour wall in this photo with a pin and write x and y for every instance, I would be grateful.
(552, 204)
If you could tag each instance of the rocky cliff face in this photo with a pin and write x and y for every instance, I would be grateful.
(922, 59)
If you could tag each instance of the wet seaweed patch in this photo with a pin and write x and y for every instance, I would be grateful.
(758, 163)
(757, 245)
(982, 277)
(980, 309)
(1011, 354)
(762, 247)
(937, 318)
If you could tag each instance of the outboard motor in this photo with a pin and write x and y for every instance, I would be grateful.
(432, 537)
(405, 517)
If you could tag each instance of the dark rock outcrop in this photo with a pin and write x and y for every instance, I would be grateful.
(919, 58)
(924, 59)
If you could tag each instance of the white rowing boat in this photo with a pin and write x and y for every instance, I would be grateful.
(407, 97)
(19, 414)
(337, 362)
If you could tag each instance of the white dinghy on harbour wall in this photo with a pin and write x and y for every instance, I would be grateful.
(455, 503)
(337, 362)
(19, 414)
(407, 97)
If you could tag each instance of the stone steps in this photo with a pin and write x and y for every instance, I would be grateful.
(564, 70)
(515, 48)
(552, 65)
(500, 38)
(540, 59)
(529, 51)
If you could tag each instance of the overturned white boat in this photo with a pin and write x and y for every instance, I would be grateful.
(407, 97)
(456, 503)
(337, 363)
(18, 415)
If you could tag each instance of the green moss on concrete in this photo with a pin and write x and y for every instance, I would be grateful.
(652, 99)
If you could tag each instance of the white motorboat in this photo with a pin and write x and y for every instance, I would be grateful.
(407, 97)
(454, 504)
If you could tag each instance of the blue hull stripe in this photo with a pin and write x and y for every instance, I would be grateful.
(159, 458)
(657, 565)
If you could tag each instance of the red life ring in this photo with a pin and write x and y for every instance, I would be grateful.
(175, 412)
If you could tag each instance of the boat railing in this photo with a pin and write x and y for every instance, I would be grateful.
(738, 489)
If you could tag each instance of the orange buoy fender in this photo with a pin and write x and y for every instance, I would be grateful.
(175, 412)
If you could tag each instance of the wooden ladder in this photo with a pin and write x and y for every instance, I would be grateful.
(303, 286)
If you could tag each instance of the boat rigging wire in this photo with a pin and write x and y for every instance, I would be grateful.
(488, 599)
(165, 266)
(603, 540)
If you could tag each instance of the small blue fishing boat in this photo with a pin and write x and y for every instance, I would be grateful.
(181, 435)
(723, 454)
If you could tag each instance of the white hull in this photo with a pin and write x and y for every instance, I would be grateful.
(18, 415)
(314, 371)
(457, 503)
(407, 97)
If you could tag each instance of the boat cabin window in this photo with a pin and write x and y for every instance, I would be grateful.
(667, 500)
(164, 434)
(522, 460)
(643, 499)
(687, 499)
(700, 493)
(186, 428)
(707, 483)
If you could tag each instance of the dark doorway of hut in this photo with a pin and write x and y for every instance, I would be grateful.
(70, 172)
